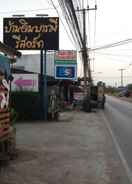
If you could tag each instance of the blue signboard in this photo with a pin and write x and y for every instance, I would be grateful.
(66, 72)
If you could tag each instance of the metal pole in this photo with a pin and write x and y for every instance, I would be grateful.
(41, 63)
(84, 49)
(41, 83)
(85, 54)
(121, 77)
(122, 69)
(45, 87)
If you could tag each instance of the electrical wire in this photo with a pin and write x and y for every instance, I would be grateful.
(115, 55)
(62, 5)
(108, 58)
(62, 22)
(120, 43)
(77, 5)
(95, 24)
(79, 15)
(69, 8)
(72, 21)
(95, 27)
(89, 28)
(113, 76)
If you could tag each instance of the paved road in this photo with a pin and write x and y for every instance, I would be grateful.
(119, 114)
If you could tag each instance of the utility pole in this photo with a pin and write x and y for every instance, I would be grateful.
(86, 59)
(43, 80)
(122, 69)
(84, 47)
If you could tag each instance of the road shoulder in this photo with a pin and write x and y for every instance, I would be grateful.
(76, 150)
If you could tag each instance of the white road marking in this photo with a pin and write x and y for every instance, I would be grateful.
(123, 160)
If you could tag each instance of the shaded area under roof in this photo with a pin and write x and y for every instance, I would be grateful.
(9, 51)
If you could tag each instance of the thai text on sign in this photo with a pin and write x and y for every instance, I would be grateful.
(32, 33)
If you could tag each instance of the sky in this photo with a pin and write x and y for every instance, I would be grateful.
(113, 24)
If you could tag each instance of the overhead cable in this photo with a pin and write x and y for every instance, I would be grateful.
(115, 55)
(62, 22)
(123, 42)
(72, 21)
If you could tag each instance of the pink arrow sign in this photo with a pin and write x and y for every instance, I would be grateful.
(24, 82)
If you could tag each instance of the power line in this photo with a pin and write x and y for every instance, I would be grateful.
(112, 77)
(120, 43)
(77, 4)
(62, 21)
(89, 28)
(121, 70)
(95, 24)
(72, 21)
(115, 59)
(68, 17)
(115, 55)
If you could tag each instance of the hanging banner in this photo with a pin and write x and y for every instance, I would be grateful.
(31, 33)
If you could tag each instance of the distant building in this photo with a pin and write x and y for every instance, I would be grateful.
(31, 63)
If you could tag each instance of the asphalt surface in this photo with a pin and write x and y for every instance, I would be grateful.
(119, 115)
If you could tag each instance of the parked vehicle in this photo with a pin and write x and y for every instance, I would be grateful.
(98, 95)
(125, 93)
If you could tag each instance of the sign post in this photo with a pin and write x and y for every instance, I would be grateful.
(45, 87)
(41, 89)
(43, 84)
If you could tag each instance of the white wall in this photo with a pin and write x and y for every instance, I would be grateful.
(31, 62)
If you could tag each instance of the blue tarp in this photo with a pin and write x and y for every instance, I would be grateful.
(5, 65)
